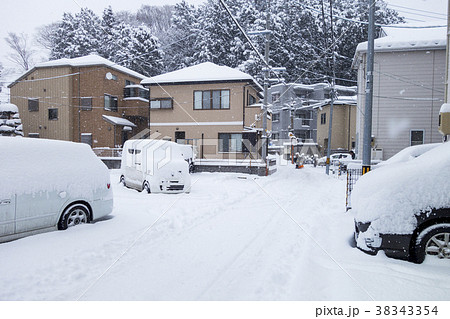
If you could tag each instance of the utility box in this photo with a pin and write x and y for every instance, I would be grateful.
(444, 119)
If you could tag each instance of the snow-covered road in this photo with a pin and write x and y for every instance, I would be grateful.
(234, 237)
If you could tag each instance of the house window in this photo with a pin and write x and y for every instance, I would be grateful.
(161, 104)
(275, 117)
(416, 137)
(251, 100)
(128, 82)
(323, 118)
(230, 142)
(86, 103)
(33, 105)
(275, 136)
(211, 99)
(275, 97)
(86, 138)
(110, 103)
(52, 114)
(33, 135)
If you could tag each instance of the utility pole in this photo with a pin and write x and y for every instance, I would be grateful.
(266, 84)
(332, 91)
(367, 137)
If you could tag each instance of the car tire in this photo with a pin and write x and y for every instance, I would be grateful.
(74, 215)
(146, 187)
(433, 241)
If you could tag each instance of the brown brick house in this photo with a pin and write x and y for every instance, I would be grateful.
(209, 106)
(87, 99)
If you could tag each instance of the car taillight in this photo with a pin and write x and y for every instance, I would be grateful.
(108, 185)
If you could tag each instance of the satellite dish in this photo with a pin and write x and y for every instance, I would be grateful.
(109, 76)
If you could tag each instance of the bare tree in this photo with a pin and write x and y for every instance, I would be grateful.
(45, 35)
(22, 53)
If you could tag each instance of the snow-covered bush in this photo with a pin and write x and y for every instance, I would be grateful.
(10, 122)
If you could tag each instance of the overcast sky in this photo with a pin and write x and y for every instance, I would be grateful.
(27, 15)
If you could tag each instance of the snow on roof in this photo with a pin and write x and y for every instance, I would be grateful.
(118, 121)
(203, 72)
(88, 60)
(399, 39)
(8, 107)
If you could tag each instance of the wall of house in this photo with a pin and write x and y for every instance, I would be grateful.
(343, 128)
(409, 89)
(93, 83)
(202, 127)
(52, 88)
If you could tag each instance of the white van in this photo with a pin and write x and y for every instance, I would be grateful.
(47, 185)
(156, 166)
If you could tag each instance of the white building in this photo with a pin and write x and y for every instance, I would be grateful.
(408, 91)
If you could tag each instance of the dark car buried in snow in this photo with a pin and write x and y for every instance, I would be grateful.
(404, 208)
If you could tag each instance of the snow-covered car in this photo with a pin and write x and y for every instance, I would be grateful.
(403, 208)
(156, 166)
(47, 185)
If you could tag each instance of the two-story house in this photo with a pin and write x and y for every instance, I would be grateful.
(408, 88)
(87, 99)
(215, 108)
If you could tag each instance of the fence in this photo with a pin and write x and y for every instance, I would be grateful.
(108, 152)
(353, 174)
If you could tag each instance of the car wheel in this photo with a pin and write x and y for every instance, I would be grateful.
(122, 180)
(74, 215)
(146, 187)
(433, 241)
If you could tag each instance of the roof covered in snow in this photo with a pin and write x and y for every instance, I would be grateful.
(203, 72)
(118, 121)
(406, 39)
(84, 61)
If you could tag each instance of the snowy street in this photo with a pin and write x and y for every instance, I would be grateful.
(234, 237)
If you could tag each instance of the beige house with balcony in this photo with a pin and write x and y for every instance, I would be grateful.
(214, 108)
(87, 99)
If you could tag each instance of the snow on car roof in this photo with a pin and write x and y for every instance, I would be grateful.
(33, 165)
(400, 190)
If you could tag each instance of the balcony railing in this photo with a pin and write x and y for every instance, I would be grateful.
(136, 91)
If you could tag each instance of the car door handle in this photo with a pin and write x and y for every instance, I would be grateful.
(5, 202)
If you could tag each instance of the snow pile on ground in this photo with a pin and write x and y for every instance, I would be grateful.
(400, 190)
(33, 165)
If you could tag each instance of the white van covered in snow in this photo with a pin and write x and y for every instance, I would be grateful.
(155, 166)
(47, 185)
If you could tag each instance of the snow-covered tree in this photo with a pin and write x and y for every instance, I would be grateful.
(10, 123)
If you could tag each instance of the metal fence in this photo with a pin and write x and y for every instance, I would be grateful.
(353, 174)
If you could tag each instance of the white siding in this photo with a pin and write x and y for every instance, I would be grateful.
(408, 92)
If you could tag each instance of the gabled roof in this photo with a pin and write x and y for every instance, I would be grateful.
(201, 73)
(84, 61)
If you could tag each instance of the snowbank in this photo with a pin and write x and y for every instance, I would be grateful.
(400, 190)
(29, 166)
